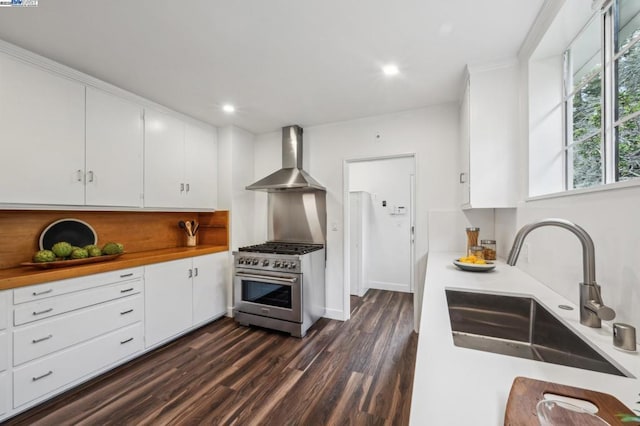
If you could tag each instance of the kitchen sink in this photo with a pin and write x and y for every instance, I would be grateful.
(519, 326)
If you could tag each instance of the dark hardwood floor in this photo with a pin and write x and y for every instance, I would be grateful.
(358, 372)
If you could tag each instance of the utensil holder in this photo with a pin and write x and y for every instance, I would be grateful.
(191, 240)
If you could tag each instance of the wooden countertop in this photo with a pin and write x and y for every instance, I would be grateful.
(24, 276)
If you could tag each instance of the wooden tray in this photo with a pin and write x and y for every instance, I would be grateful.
(525, 394)
(71, 262)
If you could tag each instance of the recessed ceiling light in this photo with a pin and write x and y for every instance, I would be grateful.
(390, 69)
(228, 108)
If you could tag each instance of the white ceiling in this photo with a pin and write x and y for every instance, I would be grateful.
(278, 61)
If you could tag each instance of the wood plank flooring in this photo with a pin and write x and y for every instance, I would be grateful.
(358, 372)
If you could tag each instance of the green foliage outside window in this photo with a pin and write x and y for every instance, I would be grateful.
(628, 133)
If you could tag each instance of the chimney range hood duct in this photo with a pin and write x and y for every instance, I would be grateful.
(290, 177)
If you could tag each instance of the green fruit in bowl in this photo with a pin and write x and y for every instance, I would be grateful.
(79, 253)
(112, 248)
(94, 251)
(62, 249)
(90, 246)
(44, 256)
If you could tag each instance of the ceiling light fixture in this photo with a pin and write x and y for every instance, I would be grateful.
(228, 108)
(390, 69)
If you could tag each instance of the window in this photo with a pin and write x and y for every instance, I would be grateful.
(601, 100)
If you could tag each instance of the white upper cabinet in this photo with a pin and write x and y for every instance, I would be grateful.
(180, 163)
(488, 137)
(201, 159)
(114, 143)
(42, 136)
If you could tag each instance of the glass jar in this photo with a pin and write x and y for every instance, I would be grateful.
(472, 238)
(489, 249)
(477, 251)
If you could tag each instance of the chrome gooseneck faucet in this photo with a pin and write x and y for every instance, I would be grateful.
(592, 308)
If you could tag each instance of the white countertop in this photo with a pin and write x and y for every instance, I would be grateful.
(454, 385)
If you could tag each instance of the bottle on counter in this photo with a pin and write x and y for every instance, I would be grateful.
(477, 251)
(472, 238)
(489, 249)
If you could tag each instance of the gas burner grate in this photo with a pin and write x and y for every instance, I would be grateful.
(280, 247)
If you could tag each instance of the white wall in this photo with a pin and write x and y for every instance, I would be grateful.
(610, 217)
(235, 171)
(431, 133)
(388, 180)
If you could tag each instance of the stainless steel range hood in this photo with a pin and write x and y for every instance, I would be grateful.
(291, 177)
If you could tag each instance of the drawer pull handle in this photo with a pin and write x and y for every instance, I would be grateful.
(195, 270)
(130, 274)
(35, 379)
(43, 312)
(126, 341)
(126, 290)
(39, 293)
(126, 312)
(42, 339)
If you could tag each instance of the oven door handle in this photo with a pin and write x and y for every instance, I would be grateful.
(267, 277)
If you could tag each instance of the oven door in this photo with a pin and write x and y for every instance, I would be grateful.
(274, 295)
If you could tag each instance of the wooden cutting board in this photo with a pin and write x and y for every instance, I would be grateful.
(525, 394)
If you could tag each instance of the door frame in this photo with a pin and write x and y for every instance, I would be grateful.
(347, 223)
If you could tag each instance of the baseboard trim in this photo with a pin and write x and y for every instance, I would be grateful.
(336, 314)
(381, 285)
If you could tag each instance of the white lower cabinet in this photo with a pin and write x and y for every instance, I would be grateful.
(183, 293)
(45, 375)
(168, 300)
(209, 286)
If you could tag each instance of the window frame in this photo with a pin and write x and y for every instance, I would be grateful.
(608, 16)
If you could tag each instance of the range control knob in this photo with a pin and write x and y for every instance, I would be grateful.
(255, 261)
(265, 262)
(277, 264)
(241, 261)
(292, 265)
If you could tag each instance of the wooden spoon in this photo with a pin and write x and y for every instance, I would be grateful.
(188, 225)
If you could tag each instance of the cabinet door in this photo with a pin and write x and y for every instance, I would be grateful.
(164, 184)
(209, 286)
(42, 135)
(168, 300)
(201, 151)
(465, 172)
(114, 151)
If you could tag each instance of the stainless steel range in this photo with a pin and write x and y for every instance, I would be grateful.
(280, 285)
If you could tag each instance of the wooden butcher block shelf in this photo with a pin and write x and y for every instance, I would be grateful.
(526, 393)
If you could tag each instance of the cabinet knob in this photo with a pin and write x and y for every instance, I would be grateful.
(463, 177)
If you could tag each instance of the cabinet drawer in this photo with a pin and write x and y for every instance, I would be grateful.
(54, 306)
(4, 307)
(56, 288)
(4, 392)
(45, 375)
(4, 349)
(40, 339)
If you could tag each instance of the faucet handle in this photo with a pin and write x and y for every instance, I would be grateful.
(603, 312)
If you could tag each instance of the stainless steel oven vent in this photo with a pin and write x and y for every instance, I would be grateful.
(291, 177)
